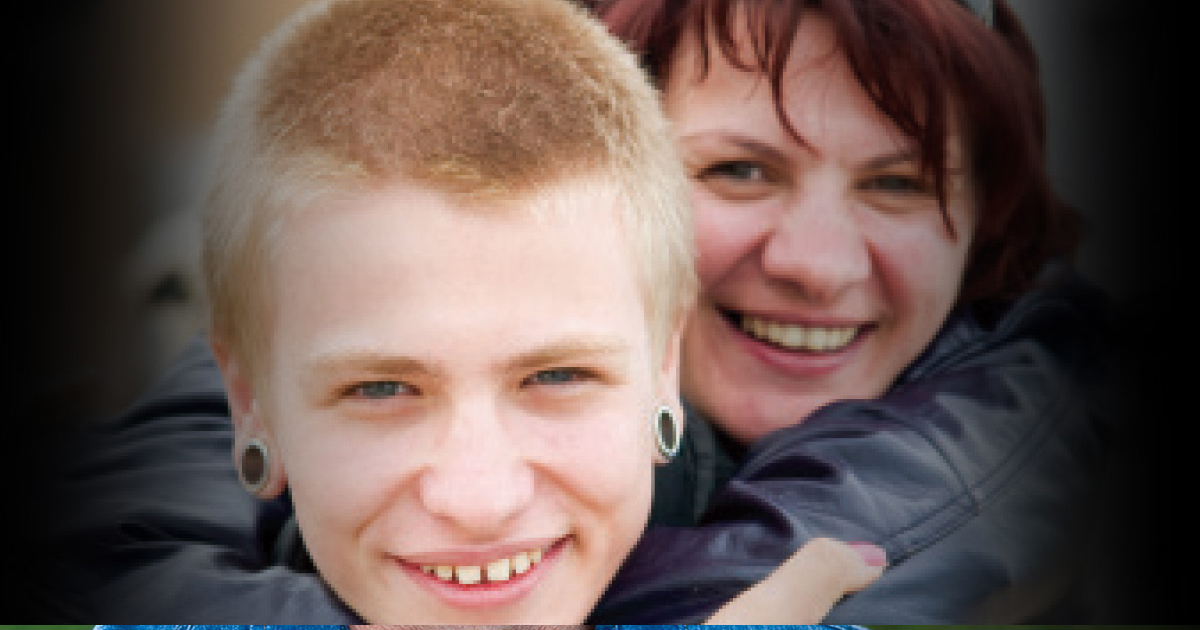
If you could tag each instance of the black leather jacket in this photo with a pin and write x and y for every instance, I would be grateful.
(970, 473)
(979, 473)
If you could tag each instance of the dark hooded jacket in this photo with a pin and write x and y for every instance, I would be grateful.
(979, 473)
(972, 472)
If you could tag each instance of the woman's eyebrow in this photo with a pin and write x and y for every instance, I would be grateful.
(952, 168)
(751, 146)
(891, 159)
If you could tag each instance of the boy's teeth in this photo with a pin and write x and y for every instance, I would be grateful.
(501, 570)
(467, 575)
(498, 571)
(811, 338)
(520, 563)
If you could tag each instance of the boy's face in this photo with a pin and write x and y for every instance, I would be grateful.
(462, 391)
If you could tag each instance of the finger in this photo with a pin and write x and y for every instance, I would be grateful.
(874, 561)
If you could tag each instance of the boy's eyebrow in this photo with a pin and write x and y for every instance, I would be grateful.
(368, 360)
(333, 362)
(570, 349)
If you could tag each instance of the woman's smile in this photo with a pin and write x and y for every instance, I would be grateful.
(798, 347)
(810, 337)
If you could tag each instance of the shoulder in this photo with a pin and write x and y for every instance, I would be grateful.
(1066, 318)
(989, 413)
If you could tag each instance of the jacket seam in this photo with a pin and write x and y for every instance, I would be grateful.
(974, 498)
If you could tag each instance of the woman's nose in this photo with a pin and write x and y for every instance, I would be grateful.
(817, 245)
(478, 482)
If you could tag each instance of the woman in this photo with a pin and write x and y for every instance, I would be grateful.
(883, 292)
(963, 436)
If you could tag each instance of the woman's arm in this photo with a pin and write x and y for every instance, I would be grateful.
(806, 586)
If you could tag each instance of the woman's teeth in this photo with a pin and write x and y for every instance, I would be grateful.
(810, 338)
(499, 571)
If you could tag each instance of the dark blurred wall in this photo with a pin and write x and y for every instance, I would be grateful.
(1117, 80)
(118, 92)
(1112, 79)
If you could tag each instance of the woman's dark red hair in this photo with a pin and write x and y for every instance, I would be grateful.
(909, 55)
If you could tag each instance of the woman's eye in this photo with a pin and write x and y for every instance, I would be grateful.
(379, 389)
(735, 170)
(738, 180)
(897, 183)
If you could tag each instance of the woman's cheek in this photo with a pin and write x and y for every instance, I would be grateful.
(724, 236)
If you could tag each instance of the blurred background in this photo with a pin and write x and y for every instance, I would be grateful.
(123, 92)
(112, 96)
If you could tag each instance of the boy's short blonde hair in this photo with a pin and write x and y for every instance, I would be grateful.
(494, 99)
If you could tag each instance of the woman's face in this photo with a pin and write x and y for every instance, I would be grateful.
(825, 268)
(461, 398)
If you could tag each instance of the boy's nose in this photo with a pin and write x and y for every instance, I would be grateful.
(478, 481)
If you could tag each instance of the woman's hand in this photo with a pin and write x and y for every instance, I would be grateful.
(805, 587)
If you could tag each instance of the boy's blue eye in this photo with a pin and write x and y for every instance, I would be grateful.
(378, 389)
(556, 376)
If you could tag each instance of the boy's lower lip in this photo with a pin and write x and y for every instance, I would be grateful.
(485, 594)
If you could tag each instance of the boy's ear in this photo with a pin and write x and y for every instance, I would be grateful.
(250, 431)
(668, 386)
(669, 374)
(238, 389)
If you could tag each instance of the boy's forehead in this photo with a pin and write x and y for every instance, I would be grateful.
(590, 195)
(411, 226)
(406, 228)
(411, 272)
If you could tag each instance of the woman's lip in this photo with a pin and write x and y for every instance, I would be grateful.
(732, 315)
(486, 594)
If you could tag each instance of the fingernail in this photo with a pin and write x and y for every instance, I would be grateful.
(873, 555)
